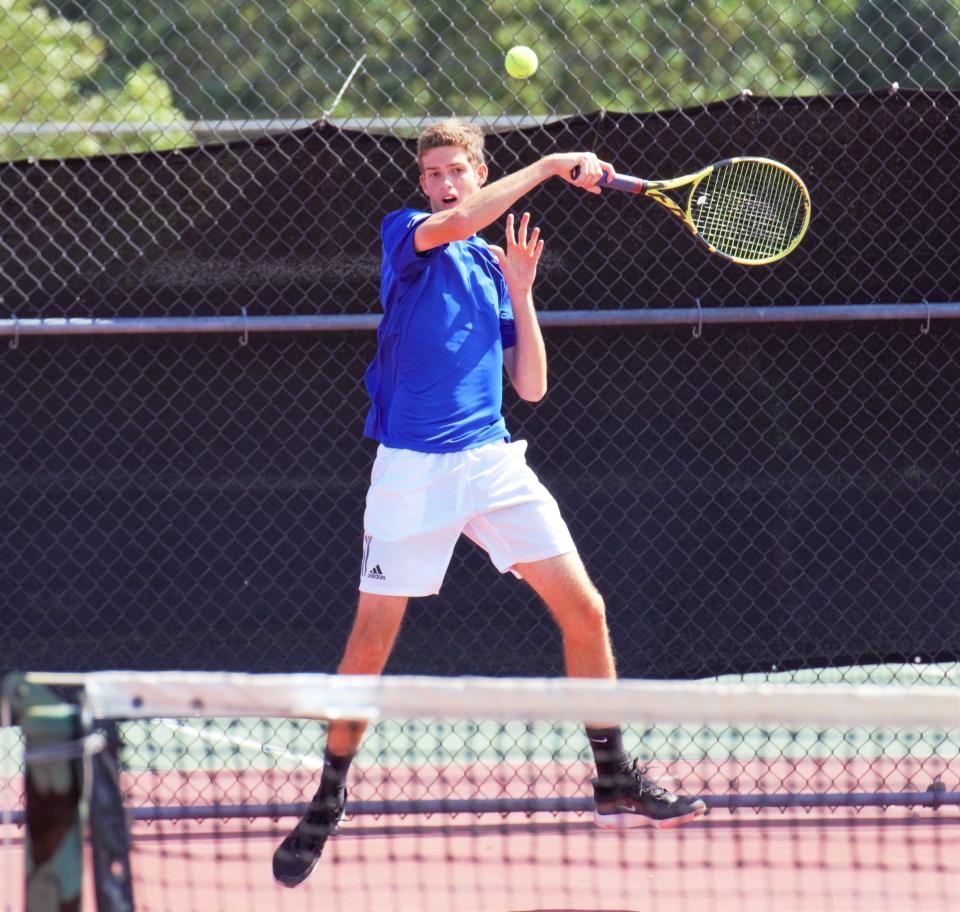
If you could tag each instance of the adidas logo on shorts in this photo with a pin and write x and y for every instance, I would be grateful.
(376, 573)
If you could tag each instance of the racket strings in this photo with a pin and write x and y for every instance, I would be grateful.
(766, 212)
(749, 210)
(744, 216)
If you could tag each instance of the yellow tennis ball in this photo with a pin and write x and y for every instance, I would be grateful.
(521, 62)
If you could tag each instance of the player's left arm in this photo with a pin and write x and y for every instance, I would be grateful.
(525, 362)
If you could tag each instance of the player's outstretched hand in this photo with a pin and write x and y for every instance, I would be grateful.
(519, 260)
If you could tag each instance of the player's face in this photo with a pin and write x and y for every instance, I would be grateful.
(448, 177)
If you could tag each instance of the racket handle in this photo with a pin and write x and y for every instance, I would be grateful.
(617, 182)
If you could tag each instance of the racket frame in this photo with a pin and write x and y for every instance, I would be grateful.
(654, 189)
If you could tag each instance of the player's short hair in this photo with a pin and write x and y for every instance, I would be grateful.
(452, 132)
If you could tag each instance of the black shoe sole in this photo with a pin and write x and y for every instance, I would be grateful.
(292, 879)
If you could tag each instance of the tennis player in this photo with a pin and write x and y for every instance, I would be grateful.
(457, 312)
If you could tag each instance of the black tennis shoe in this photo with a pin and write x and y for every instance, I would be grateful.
(633, 799)
(299, 853)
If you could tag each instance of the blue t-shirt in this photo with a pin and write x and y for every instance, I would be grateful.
(436, 383)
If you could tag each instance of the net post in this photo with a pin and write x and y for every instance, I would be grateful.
(53, 778)
(109, 834)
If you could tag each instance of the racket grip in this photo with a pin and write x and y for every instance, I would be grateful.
(617, 182)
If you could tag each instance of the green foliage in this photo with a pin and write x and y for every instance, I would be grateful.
(45, 61)
(249, 59)
(246, 58)
(876, 43)
(239, 59)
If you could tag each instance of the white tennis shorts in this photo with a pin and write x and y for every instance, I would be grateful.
(419, 504)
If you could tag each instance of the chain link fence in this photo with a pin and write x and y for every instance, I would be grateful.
(751, 498)
(102, 75)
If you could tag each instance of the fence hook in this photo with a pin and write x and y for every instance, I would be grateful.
(698, 329)
(14, 343)
(925, 328)
(245, 338)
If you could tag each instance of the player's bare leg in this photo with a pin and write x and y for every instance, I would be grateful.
(371, 640)
(624, 795)
(563, 584)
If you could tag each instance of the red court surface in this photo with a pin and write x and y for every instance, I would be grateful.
(744, 862)
(753, 776)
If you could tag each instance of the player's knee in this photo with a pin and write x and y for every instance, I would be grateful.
(376, 635)
(586, 616)
(373, 635)
(373, 648)
(366, 653)
(596, 611)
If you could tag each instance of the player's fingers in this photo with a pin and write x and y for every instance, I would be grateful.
(590, 170)
(511, 235)
(522, 231)
(534, 236)
(537, 250)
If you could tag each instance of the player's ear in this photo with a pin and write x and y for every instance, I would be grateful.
(423, 185)
(482, 173)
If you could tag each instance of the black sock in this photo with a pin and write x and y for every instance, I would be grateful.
(333, 780)
(608, 753)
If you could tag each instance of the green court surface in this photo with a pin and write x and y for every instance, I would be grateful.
(10, 752)
(289, 744)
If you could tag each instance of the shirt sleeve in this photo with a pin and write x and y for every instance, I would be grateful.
(398, 251)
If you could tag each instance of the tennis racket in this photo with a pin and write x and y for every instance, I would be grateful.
(750, 210)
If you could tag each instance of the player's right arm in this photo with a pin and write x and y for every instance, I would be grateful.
(490, 202)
